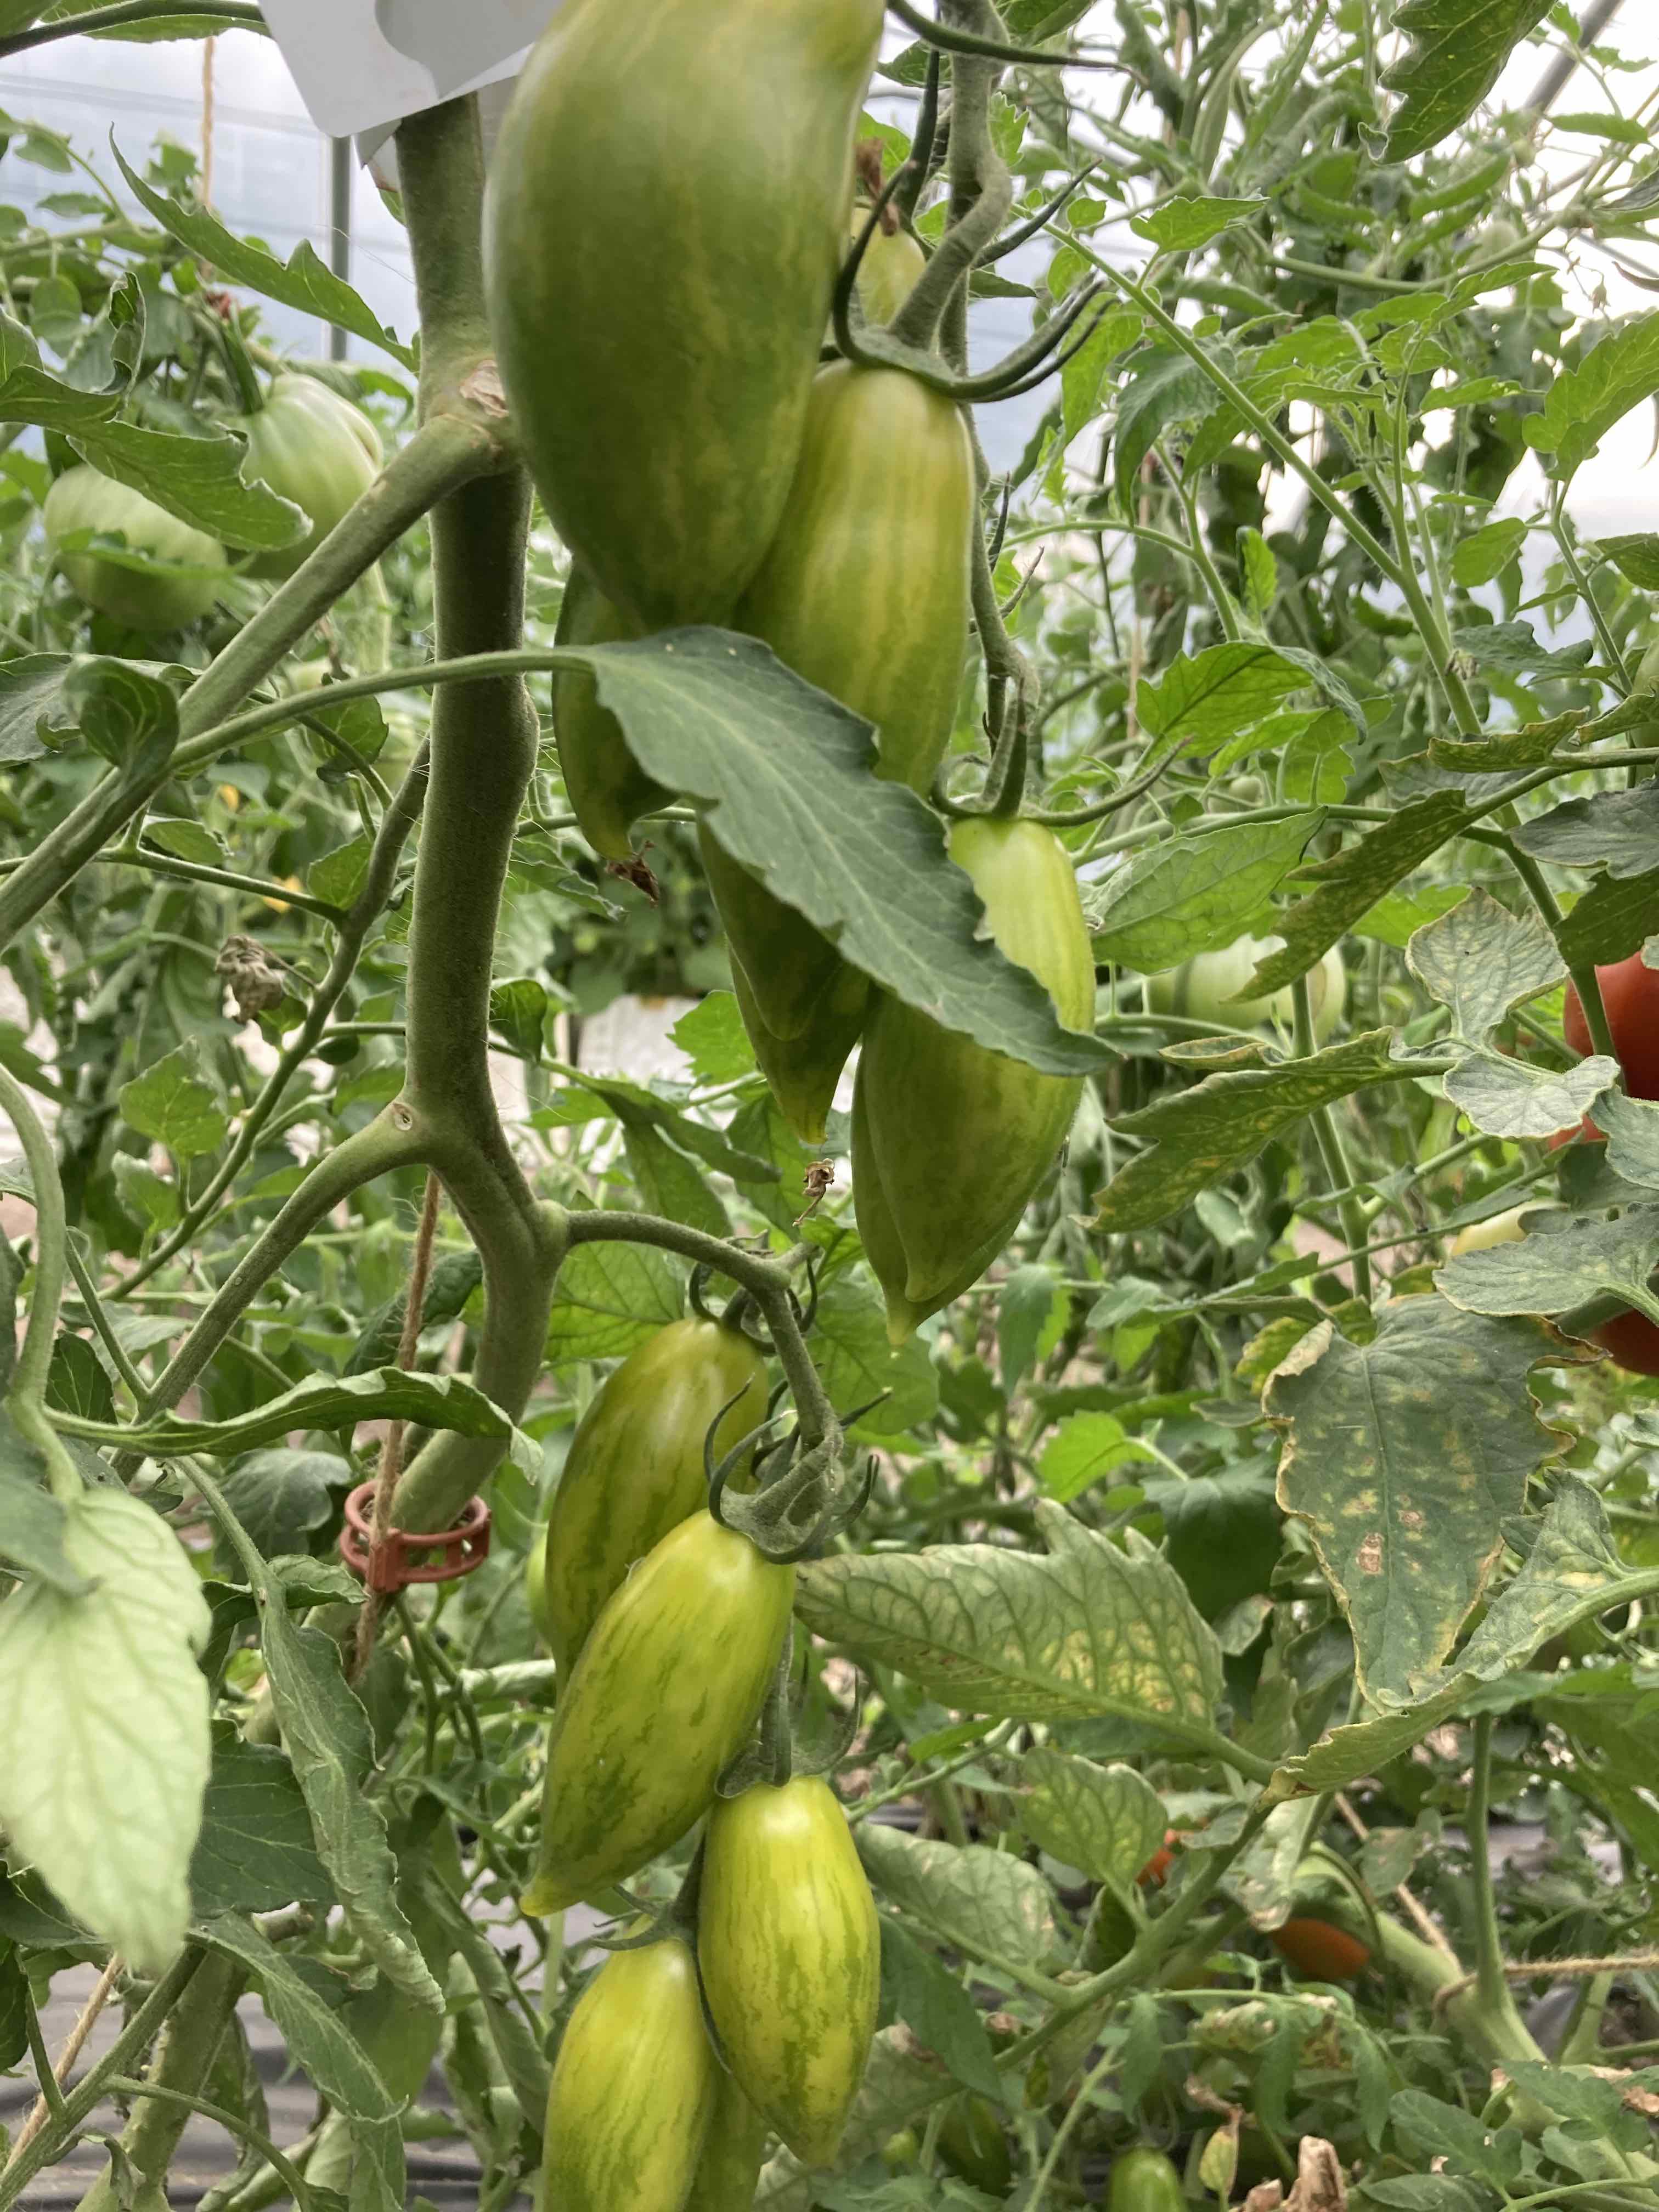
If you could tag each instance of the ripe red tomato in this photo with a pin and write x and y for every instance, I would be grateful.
(1152, 1875)
(1630, 992)
(1321, 1952)
(1631, 1341)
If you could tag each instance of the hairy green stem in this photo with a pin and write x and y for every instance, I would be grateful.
(394, 834)
(184, 2059)
(26, 1399)
(444, 452)
(225, 14)
(391, 1140)
(124, 2085)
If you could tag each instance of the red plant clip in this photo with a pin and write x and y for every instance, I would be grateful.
(389, 1567)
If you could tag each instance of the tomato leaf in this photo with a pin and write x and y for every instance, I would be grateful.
(774, 761)
(304, 281)
(1106, 1821)
(1089, 1630)
(610, 1297)
(1193, 895)
(974, 1898)
(1581, 405)
(104, 1744)
(1457, 53)
(255, 1852)
(1404, 1457)
(936, 2008)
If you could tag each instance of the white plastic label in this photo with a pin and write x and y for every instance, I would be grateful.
(363, 64)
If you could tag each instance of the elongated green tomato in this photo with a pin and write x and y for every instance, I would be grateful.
(790, 1949)
(1496, 1229)
(667, 208)
(972, 2143)
(182, 570)
(802, 1072)
(535, 1586)
(1204, 988)
(732, 2152)
(663, 1696)
(308, 444)
(957, 1139)
(863, 592)
(1144, 2180)
(634, 2088)
(635, 1469)
(607, 788)
(887, 275)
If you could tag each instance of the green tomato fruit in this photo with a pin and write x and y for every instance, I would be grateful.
(635, 1469)
(634, 2088)
(178, 572)
(693, 160)
(1496, 1229)
(1144, 2180)
(864, 591)
(308, 444)
(950, 1141)
(972, 2143)
(1203, 989)
(662, 1699)
(887, 275)
(790, 1949)
(732, 2152)
(607, 788)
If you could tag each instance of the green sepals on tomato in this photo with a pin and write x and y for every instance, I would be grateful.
(789, 1944)
(635, 2088)
(864, 591)
(1144, 2180)
(661, 1700)
(666, 215)
(635, 1469)
(950, 1141)
(179, 572)
(308, 444)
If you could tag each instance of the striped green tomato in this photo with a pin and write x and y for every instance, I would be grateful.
(667, 210)
(635, 1469)
(663, 1696)
(790, 1949)
(634, 2087)
(731, 2153)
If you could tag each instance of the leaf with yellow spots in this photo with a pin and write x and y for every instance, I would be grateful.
(1404, 1457)
(1090, 1630)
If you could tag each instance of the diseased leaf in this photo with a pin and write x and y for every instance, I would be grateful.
(1226, 1120)
(1404, 1457)
(1106, 1821)
(1088, 1630)
(1562, 1266)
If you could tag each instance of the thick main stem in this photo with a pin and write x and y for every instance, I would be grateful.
(484, 737)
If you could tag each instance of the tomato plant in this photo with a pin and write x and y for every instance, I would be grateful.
(777, 1431)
